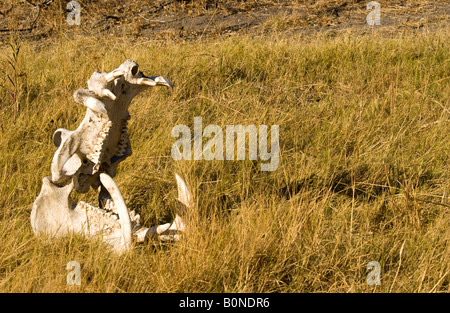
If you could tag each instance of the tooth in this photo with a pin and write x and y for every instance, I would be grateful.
(164, 81)
(95, 105)
(97, 147)
(108, 93)
(146, 81)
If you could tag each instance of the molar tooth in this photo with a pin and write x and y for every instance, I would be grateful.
(97, 147)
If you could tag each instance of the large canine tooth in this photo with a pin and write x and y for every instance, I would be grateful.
(124, 217)
(95, 105)
(163, 81)
(153, 81)
(184, 196)
(177, 224)
(156, 230)
(146, 81)
(108, 93)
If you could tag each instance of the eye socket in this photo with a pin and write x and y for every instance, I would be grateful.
(134, 70)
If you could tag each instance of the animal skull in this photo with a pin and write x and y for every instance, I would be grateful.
(55, 213)
(101, 141)
(89, 156)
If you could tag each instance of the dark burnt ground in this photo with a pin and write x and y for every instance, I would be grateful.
(181, 20)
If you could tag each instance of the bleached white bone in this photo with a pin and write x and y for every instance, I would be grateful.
(88, 157)
(124, 217)
(55, 214)
(101, 141)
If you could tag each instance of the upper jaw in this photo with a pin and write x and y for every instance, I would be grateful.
(131, 73)
(128, 73)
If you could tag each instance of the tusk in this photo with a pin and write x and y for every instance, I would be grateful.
(146, 81)
(157, 230)
(95, 105)
(155, 80)
(153, 231)
(108, 93)
(114, 74)
(162, 228)
(163, 81)
(178, 224)
(184, 196)
(124, 216)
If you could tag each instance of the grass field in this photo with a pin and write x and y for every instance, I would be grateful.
(363, 174)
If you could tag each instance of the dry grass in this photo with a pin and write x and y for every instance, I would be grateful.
(363, 175)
